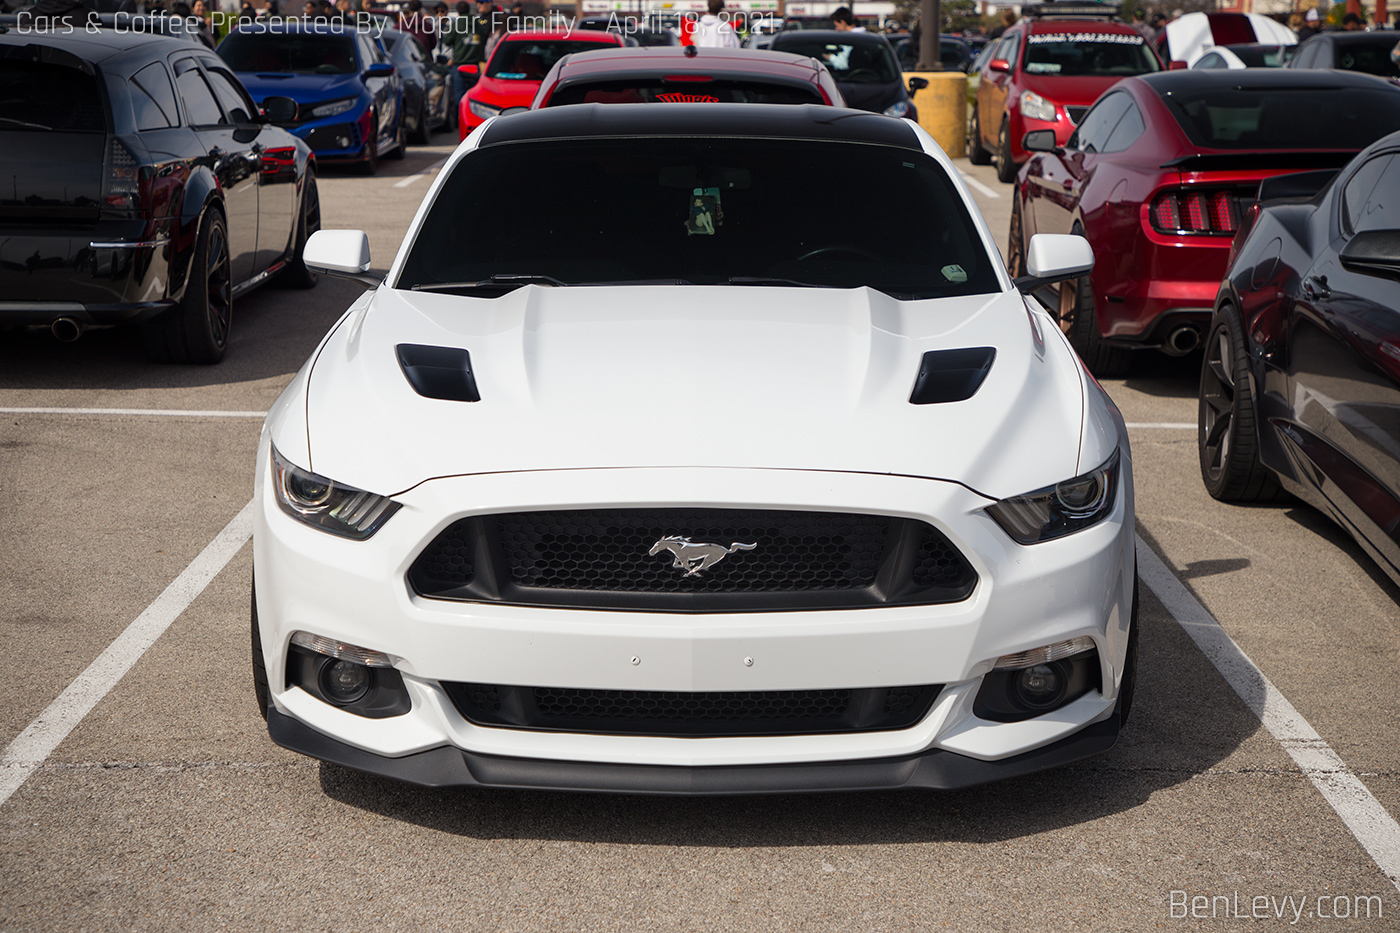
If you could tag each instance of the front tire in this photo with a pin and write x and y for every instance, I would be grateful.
(370, 164)
(1016, 240)
(198, 330)
(1006, 169)
(977, 153)
(295, 274)
(1227, 430)
(400, 141)
(420, 134)
(1080, 321)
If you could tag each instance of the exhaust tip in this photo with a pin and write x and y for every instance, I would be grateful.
(1182, 341)
(67, 329)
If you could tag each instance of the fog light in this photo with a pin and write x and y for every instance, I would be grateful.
(1041, 686)
(344, 681)
(342, 142)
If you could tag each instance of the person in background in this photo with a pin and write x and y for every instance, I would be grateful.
(1353, 23)
(843, 20)
(1008, 19)
(1310, 25)
(715, 33)
(499, 22)
(1140, 26)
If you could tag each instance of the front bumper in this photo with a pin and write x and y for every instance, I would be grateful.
(355, 591)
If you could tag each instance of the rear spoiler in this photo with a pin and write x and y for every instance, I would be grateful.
(1245, 161)
(1298, 186)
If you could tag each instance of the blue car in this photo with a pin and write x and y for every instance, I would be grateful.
(350, 99)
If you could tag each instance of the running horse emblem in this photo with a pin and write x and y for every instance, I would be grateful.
(694, 558)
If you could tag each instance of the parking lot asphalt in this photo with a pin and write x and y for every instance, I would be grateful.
(167, 807)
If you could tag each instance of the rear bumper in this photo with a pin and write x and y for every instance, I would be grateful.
(447, 766)
(88, 275)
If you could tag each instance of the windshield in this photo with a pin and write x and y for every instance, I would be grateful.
(652, 90)
(1267, 117)
(853, 63)
(703, 212)
(530, 60)
(1088, 53)
(295, 52)
(1371, 57)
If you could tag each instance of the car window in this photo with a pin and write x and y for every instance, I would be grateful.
(1231, 117)
(848, 62)
(235, 102)
(1098, 123)
(530, 60)
(153, 98)
(1212, 60)
(1307, 55)
(47, 96)
(701, 211)
(1368, 58)
(1365, 199)
(656, 89)
(199, 101)
(1130, 127)
(290, 52)
(1088, 53)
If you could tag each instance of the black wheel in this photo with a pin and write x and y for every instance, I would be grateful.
(295, 274)
(370, 164)
(1227, 430)
(1128, 685)
(977, 153)
(1006, 169)
(259, 665)
(1079, 320)
(198, 330)
(1016, 240)
(420, 133)
(400, 140)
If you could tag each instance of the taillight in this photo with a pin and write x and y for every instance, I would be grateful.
(121, 185)
(1195, 211)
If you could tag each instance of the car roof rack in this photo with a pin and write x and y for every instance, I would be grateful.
(1071, 10)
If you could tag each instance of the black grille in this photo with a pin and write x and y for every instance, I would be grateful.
(692, 560)
(1076, 114)
(701, 714)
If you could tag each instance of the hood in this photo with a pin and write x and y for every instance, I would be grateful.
(304, 89)
(1069, 90)
(645, 376)
(511, 93)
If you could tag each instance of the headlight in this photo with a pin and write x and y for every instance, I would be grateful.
(485, 111)
(897, 109)
(327, 505)
(1037, 107)
(331, 108)
(1061, 509)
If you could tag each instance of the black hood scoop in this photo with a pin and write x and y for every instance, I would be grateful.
(438, 372)
(952, 375)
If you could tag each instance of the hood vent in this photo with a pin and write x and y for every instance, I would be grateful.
(439, 372)
(952, 375)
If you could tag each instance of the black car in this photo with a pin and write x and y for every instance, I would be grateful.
(1300, 387)
(954, 54)
(1367, 52)
(426, 101)
(142, 186)
(863, 65)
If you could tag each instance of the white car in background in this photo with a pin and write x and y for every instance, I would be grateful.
(662, 461)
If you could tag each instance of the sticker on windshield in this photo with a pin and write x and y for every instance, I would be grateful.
(954, 273)
(705, 212)
(687, 98)
(1113, 38)
(1043, 68)
(511, 75)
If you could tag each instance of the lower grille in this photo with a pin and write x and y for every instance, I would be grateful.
(692, 560)
(710, 714)
(329, 137)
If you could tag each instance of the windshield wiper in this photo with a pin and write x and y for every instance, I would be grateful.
(26, 124)
(524, 279)
(768, 280)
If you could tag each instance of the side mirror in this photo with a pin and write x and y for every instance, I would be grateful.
(917, 84)
(1373, 252)
(1177, 65)
(279, 110)
(470, 74)
(380, 70)
(513, 110)
(1001, 65)
(1041, 141)
(1050, 258)
(341, 253)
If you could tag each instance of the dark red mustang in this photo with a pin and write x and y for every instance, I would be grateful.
(1157, 176)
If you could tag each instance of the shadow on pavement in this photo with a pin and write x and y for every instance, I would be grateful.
(1185, 720)
(1161, 376)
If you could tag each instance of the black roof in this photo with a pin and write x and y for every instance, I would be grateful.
(1195, 79)
(838, 36)
(99, 44)
(1357, 37)
(765, 121)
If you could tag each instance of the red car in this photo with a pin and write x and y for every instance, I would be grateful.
(1158, 176)
(1044, 73)
(688, 75)
(517, 65)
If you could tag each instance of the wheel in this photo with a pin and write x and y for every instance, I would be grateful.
(295, 274)
(198, 330)
(370, 165)
(259, 665)
(400, 141)
(1227, 425)
(1128, 684)
(420, 134)
(1016, 240)
(1079, 320)
(977, 153)
(1006, 169)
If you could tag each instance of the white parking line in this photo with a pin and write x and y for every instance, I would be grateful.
(1369, 822)
(974, 183)
(30, 749)
(140, 412)
(405, 182)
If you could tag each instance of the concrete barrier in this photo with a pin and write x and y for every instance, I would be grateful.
(943, 108)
